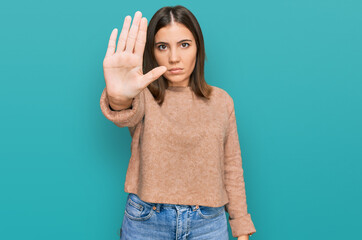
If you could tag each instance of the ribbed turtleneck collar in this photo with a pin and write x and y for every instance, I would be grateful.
(179, 88)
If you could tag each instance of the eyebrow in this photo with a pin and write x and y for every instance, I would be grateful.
(183, 40)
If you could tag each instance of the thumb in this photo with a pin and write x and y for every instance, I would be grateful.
(154, 74)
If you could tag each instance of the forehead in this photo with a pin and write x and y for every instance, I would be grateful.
(173, 33)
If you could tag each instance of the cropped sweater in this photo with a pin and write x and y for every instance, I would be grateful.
(185, 152)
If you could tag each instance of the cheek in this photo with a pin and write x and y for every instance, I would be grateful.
(159, 58)
(191, 59)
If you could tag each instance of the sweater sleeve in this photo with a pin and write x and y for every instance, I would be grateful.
(239, 218)
(127, 117)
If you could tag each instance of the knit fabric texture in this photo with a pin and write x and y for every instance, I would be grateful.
(185, 151)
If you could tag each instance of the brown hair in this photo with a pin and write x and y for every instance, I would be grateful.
(160, 19)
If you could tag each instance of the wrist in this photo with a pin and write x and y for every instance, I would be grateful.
(120, 105)
(244, 237)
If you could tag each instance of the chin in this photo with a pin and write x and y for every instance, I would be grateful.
(175, 79)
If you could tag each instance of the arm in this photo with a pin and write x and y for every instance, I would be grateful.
(239, 218)
(244, 237)
(128, 117)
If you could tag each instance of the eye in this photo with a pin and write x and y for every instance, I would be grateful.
(160, 46)
(186, 43)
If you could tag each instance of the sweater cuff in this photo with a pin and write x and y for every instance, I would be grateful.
(122, 118)
(242, 226)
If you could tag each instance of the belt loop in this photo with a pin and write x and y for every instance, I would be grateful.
(158, 206)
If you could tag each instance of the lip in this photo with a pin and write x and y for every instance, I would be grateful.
(175, 70)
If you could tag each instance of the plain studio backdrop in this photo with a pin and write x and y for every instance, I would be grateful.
(293, 69)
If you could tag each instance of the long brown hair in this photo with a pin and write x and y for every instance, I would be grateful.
(160, 19)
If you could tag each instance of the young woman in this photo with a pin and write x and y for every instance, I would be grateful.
(185, 169)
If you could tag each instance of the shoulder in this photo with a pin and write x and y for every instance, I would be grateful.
(224, 97)
(222, 93)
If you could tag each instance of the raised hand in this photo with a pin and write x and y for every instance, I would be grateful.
(123, 72)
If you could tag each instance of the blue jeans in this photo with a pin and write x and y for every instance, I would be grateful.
(159, 221)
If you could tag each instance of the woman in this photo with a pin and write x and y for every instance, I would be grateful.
(185, 169)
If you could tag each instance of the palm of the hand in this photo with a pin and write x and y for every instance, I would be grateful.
(119, 75)
(123, 68)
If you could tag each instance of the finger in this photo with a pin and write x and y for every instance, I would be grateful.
(154, 74)
(141, 38)
(123, 36)
(132, 35)
(112, 43)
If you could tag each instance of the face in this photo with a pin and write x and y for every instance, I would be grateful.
(175, 47)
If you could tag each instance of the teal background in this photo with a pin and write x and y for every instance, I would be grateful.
(293, 69)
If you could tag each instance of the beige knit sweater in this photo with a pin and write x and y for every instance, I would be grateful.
(185, 152)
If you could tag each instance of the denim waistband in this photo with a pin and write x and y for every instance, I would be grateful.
(180, 207)
(158, 206)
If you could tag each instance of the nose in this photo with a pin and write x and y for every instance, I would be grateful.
(174, 56)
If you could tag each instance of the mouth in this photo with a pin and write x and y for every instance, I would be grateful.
(175, 70)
